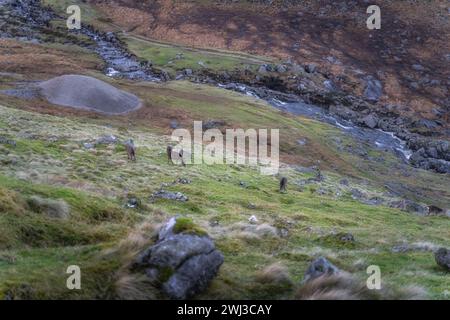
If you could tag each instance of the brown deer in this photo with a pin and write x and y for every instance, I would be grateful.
(169, 154)
(283, 184)
(131, 150)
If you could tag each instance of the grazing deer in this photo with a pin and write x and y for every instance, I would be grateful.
(169, 154)
(131, 150)
(180, 154)
(283, 184)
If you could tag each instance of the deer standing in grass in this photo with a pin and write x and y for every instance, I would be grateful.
(131, 150)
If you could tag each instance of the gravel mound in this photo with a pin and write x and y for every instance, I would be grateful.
(83, 92)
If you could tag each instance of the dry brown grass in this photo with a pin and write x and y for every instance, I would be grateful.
(346, 287)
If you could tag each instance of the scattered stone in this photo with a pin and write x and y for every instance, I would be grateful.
(442, 257)
(183, 264)
(253, 219)
(184, 181)
(188, 72)
(320, 267)
(174, 124)
(177, 196)
(281, 68)
(370, 121)
(374, 89)
(133, 203)
(107, 139)
(418, 67)
(88, 145)
(347, 237)
(4, 140)
(410, 206)
(344, 182)
(311, 68)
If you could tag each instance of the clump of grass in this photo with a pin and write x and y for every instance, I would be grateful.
(275, 273)
(186, 225)
(11, 202)
(344, 286)
(53, 208)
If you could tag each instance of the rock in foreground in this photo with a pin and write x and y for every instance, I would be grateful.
(183, 261)
(442, 257)
(320, 267)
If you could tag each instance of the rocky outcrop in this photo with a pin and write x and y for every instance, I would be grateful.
(442, 257)
(182, 262)
(320, 267)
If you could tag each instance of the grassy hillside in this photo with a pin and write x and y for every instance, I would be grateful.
(63, 198)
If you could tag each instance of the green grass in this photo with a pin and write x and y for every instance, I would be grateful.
(164, 56)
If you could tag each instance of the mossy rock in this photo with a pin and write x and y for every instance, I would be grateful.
(187, 226)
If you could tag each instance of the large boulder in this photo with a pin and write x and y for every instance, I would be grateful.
(410, 206)
(370, 121)
(374, 89)
(320, 267)
(87, 93)
(442, 257)
(183, 261)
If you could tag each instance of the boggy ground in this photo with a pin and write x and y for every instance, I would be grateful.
(88, 188)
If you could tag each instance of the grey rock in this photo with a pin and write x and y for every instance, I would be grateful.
(442, 257)
(374, 89)
(107, 139)
(177, 196)
(183, 264)
(418, 67)
(320, 267)
(410, 206)
(281, 68)
(311, 68)
(370, 121)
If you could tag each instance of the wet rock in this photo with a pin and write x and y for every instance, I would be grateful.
(442, 257)
(370, 121)
(418, 67)
(311, 68)
(410, 206)
(320, 267)
(182, 264)
(374, 89)
(281, 68)
(174, 124)
(177, 196)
